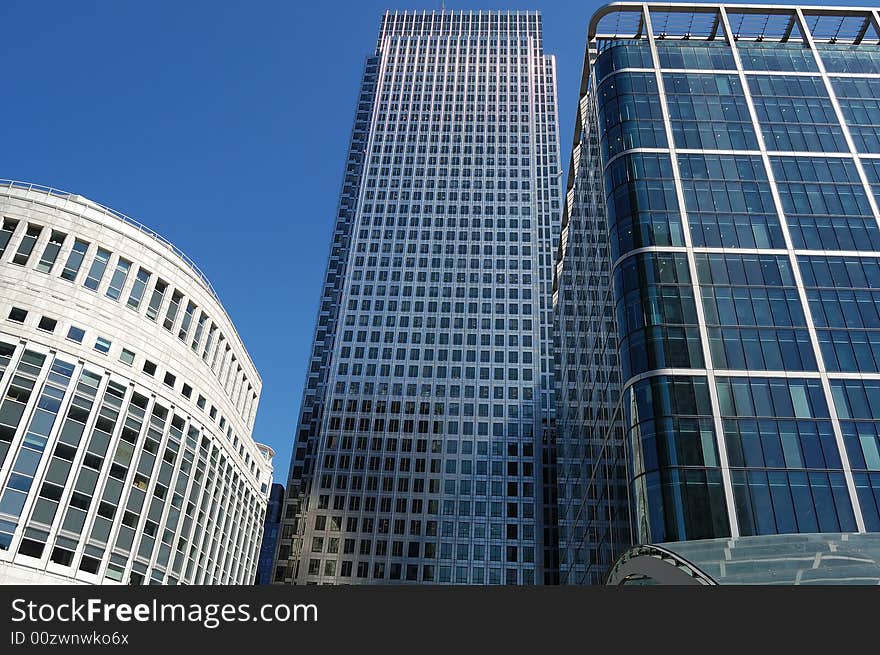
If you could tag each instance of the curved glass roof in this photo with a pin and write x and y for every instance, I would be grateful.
(791, 559)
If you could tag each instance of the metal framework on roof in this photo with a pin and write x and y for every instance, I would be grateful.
(620, 21)
(627, 20)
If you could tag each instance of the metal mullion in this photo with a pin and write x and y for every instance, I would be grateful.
(863, 30)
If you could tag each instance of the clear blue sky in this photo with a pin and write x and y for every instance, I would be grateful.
(223, 126)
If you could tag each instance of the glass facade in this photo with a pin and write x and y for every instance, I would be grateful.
(716, 286)
(823, 558)
(424, 448)
(271, 530)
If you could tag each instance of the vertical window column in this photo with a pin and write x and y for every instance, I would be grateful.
(799, 282)
(704, 337)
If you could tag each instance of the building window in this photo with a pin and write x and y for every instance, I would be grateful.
(138, 288)
(149, 367)
(156, 299)
(171, 314)
(9, 226)
(126, 357)
(120, 275)
(102, 345)
(74, 260)
(170, 379)
(47, 324)
(17, 314)
(50, 253)
(96, 272)
(89, 564)
(26, 247)
(197, 337)
(76, 334)
(62, 556)
(187, 320)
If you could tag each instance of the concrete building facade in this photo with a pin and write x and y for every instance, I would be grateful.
(127, 401)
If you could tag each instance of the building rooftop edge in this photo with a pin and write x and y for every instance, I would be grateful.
(143, 229)
(611, 7)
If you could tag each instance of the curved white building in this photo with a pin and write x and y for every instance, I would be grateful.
(127, 401)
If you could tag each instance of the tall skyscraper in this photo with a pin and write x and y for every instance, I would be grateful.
(426, 419)
(717, 294)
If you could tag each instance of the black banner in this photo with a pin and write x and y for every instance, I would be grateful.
(413, 619)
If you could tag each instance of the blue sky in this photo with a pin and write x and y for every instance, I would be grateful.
(224, 127)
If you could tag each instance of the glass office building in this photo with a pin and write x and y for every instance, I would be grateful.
(271, 530)
(717, 280)
(424, 444)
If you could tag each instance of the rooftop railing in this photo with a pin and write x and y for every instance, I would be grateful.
(91, 204)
